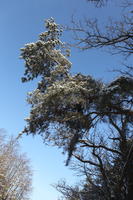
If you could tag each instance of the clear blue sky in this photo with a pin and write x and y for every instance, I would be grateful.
(20, 22)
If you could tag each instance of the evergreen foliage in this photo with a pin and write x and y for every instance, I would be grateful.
(90, 120)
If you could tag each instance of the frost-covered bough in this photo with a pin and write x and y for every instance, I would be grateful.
(71, 111)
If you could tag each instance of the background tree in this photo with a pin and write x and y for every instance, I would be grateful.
(82, 191)
(116, 35)
(15, 171)
(89, 119)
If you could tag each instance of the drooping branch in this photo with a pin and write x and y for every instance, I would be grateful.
(85, 161)
(87, 144)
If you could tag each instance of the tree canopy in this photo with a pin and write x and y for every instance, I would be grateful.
(90, 120)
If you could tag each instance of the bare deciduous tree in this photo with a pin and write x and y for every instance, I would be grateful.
(15, 171)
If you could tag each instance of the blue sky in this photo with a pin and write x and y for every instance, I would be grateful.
(20, 23)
